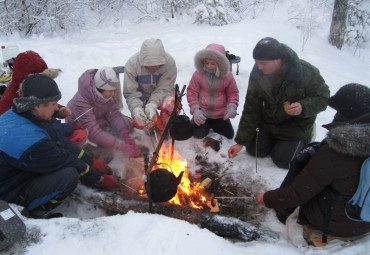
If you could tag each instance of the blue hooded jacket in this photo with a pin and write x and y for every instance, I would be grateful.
(28, 150)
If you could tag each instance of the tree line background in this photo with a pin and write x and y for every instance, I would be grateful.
(349, 24)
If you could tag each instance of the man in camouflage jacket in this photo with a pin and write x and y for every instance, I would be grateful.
(284, 96)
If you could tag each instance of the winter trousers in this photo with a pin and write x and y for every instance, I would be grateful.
(46, 187)
(281, 152)
(220, 126)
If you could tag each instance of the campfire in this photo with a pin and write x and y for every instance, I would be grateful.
(196, 198)
(188, 193)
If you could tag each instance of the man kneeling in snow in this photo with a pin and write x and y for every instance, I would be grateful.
(38, 166)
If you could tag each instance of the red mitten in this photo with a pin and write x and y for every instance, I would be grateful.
(101, 167)
(78, 136)
(78, 126)
(109, 182)
(127, 138)
(128, 149)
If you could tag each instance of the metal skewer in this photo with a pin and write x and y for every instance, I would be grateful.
(83, 114)
(235, 197)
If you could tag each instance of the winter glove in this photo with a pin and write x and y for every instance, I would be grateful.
(199, 117)
(109, 182)
(128, 149)
(78, 136)
(230, 111)
(65, 112)
(151, 112)
(127, 138)
(78, 126)
(101, 167)
(139, 116)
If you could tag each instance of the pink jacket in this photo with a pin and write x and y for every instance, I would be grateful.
(212, 92)
(104, 112)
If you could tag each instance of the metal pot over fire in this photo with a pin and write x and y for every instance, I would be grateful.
(181, 128)
(163, 184)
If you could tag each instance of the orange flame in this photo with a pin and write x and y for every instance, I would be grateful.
(187, 192)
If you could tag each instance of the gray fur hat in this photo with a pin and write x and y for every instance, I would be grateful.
(36, 89)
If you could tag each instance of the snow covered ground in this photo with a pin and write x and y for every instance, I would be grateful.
(85, 229)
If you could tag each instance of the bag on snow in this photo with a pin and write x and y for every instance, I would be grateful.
(12, 227)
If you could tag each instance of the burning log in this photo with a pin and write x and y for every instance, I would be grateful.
(235, 229)
(227, 227)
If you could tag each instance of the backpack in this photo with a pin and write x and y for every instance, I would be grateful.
(358, 207)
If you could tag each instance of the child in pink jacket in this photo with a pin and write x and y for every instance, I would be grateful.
(93, 106)
(212, 93)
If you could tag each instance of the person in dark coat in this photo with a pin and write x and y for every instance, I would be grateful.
(38, 166)
(284, 96)
(331, 176)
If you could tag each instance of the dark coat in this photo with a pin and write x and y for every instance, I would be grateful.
(333, 172)
(28, 150)
(300, 82)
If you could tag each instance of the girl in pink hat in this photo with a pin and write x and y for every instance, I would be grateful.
(212, 93)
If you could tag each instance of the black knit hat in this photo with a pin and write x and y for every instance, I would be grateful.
(268, 49)
(350, 101)
(36, 89)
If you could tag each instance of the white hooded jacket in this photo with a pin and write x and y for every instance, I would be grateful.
(142, 86)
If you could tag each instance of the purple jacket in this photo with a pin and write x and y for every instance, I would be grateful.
(212, 92)
(103, 112)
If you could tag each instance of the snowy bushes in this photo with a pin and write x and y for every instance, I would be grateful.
(212, 13)
(37, 16)
(358, 20)
(29, 17)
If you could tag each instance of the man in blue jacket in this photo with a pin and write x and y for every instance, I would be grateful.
(38, 166)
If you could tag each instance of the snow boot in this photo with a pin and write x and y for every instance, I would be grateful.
(313, 237)
(45, 211)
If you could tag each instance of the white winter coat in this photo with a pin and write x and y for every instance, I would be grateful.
(141, 86)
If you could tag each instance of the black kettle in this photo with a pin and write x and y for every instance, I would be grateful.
(181, 128)
(163, 184)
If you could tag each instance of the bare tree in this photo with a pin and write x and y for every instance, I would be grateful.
(338, 23)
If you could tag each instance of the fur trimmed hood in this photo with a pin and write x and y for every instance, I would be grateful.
(49, 72)
(349, 139)
(216, 52)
